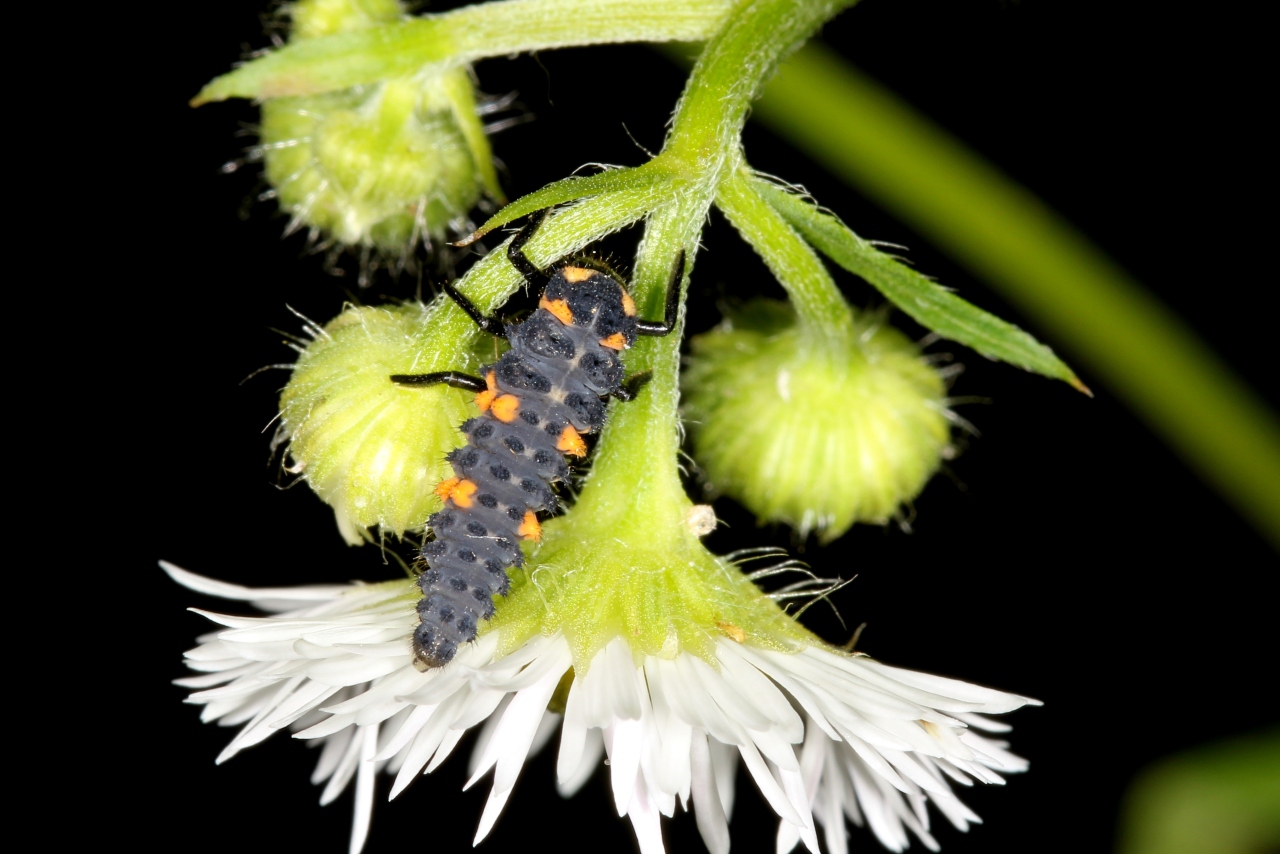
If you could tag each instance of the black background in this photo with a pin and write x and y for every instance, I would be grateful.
(1068, 555)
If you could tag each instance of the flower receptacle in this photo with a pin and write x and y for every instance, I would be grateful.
(642, 576)
(811, 431)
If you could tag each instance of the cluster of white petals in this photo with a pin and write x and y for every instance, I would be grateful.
(825, 736)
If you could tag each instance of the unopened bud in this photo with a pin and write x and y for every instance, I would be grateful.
(371, 449)
(383, 166)
(815, 433)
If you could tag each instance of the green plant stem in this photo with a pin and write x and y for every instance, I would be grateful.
(819, 305)
(455, 38)
(701, 149)
(707, 126)
(1040, 263)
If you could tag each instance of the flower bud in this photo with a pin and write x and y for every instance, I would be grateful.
(371, 449)
(815, 433)
(381, 166)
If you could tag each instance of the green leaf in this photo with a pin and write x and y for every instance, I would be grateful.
(340, 61)
(649, 177)
(929, 304)
(333, 62)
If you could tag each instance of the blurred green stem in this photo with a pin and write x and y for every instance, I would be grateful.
(1041, 264)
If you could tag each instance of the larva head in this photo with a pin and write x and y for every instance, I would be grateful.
(581, 296)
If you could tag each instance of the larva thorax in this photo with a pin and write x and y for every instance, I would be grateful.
(541, 397)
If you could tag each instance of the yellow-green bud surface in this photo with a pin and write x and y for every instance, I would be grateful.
(382, 166)
(809, 431)
(371, 449)
(317, 18)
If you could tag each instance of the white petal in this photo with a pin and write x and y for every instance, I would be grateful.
(573, 734)
(343, 773)
(364, 790)
(769, 787)
(480, 750)
(724, 762)
(708, 809)
(749, 682)
(425, 743)
(622, 741)
(447, 744)
(669, 762)
(645, 820)
(405, 732)
(514, 735)
(793, 785)
(289, 597)
(335, 747)
(735, 706)
(546, 729)
(592, 753)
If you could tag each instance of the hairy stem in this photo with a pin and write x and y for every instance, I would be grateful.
(819, 305)
(462, 36)
(637, 461)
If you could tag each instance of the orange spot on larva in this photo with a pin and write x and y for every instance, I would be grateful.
(616, 341)
(485, 398)
(628, 305)
(559, 308)
(462, 493)
(505, 408)
(445, 488)
(457, 490)
(529, 528)
(575, 274)
(570, 442)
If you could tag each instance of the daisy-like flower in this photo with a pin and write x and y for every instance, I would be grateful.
(622, 636)
(826, 736)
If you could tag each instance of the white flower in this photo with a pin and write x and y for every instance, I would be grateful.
(825, 735)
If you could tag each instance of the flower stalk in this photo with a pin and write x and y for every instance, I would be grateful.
(460, 37)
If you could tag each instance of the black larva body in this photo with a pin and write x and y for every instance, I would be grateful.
(545, 391)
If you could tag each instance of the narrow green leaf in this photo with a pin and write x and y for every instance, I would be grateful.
(343, 60)
(335, 62)
(1151, 358)
(649, 177)
(923, 300)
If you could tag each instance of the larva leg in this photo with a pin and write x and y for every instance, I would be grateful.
(536, 278)
(658, 328)
(450, 378)
(631, 387)
(492, 325)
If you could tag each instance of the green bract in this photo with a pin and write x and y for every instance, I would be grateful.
(632, 566)
(813, 431)
(372, 449)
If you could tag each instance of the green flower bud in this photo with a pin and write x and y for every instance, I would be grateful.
(372, 449)
(815, 433)
(382, 166)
